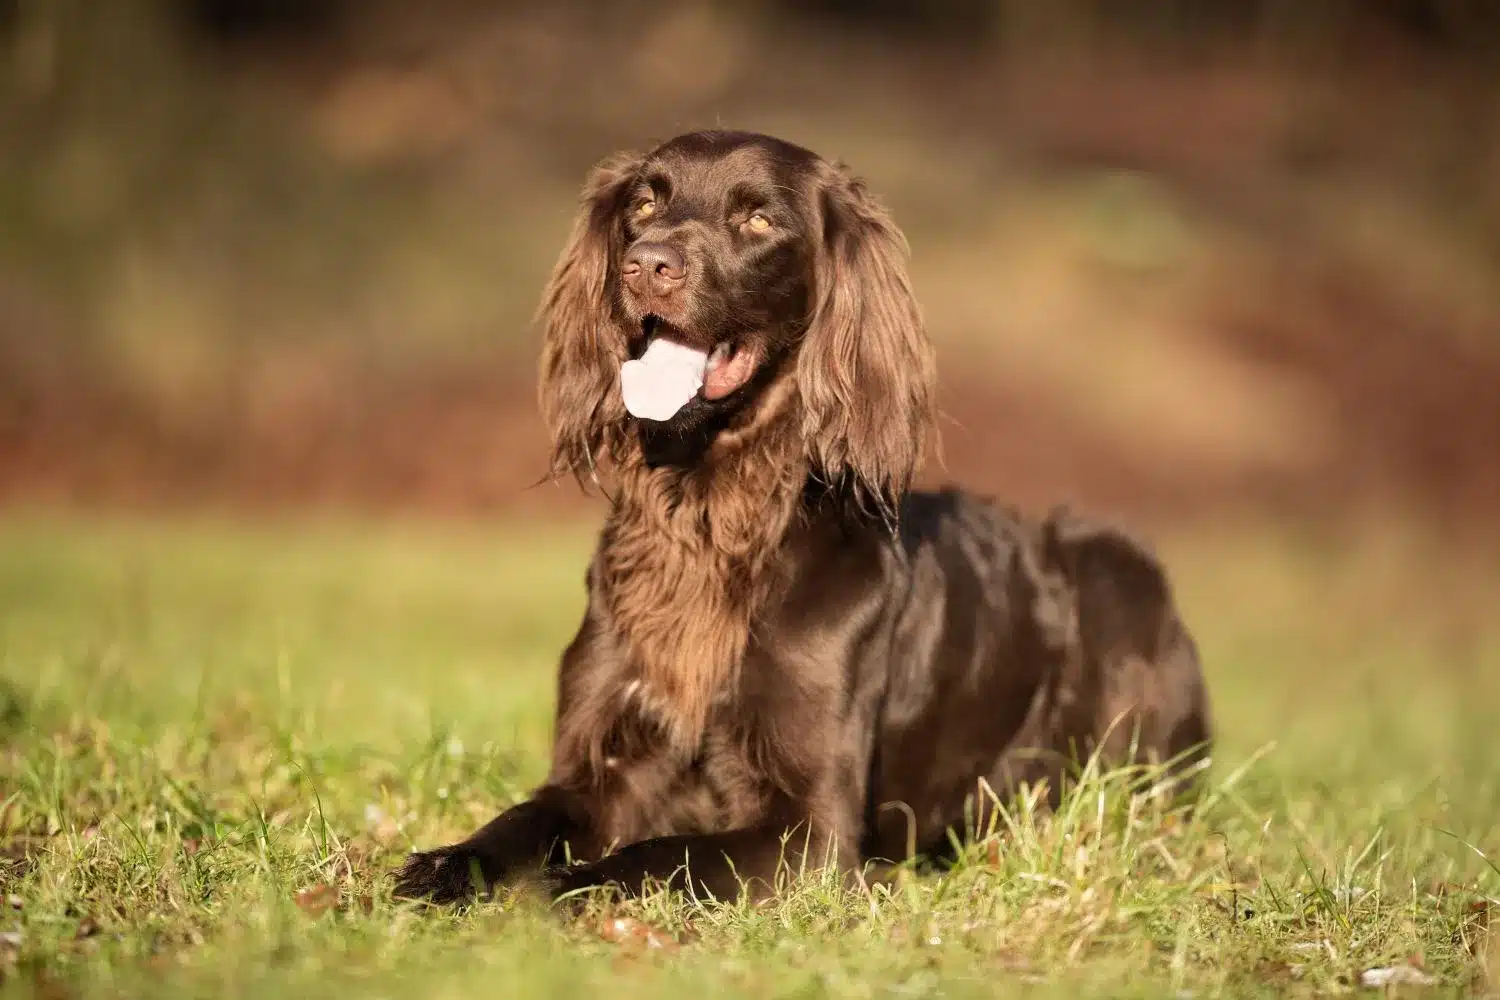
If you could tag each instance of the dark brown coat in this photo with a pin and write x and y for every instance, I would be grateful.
(781, 636)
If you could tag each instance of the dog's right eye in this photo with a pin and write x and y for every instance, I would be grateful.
(645, 209)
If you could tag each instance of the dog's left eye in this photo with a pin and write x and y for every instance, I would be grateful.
(646, 208)
(758, 223)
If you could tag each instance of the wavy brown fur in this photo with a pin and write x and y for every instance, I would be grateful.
(683, 565)
(688, 556)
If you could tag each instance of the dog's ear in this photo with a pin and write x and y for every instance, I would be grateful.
(865, 371)
(580, 356)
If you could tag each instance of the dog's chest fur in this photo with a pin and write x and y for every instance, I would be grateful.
(649, 790)
(685, 564)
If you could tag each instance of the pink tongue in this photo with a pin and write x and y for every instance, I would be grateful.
(663, 380)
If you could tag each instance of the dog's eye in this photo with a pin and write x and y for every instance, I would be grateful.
(758, 223)
(645, 209)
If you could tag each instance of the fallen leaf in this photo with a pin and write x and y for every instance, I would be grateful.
(1394, 975)
(317, 900)
(631, 932)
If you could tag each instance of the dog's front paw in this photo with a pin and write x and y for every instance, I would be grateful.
(447, 875)
(569, 886)
(561, 881)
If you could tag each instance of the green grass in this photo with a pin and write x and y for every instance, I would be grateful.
(201, 721)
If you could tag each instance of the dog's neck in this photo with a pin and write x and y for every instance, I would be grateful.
(689, 557)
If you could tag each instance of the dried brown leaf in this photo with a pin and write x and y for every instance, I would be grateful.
(317, 900)
(632, 933)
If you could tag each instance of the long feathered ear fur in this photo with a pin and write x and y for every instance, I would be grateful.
(580, 355)
(866, 371)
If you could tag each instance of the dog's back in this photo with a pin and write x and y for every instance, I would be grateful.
(1020, 649)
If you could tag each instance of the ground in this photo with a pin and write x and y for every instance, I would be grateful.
(217, 739)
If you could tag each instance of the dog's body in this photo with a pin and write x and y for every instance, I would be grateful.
(781, 638)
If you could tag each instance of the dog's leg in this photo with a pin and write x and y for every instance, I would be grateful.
(717, 865)
(520, 838)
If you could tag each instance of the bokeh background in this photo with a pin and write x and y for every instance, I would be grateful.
(1184, 261)
(281, 596)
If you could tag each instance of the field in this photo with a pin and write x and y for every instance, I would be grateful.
(220, 737)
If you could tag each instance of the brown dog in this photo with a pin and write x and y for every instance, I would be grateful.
(781, 636)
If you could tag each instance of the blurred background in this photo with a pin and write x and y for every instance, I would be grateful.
(1184, 260)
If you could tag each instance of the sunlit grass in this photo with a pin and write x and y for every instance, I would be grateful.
(204, 725)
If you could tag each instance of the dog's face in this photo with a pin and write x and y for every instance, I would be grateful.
(717, 234)
(763, 265)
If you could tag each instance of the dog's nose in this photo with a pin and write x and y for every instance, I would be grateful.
(654, 267)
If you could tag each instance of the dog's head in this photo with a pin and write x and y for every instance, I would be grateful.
(777, 280)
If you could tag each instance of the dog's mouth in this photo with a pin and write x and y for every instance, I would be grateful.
(730, 365)
(722, 370)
